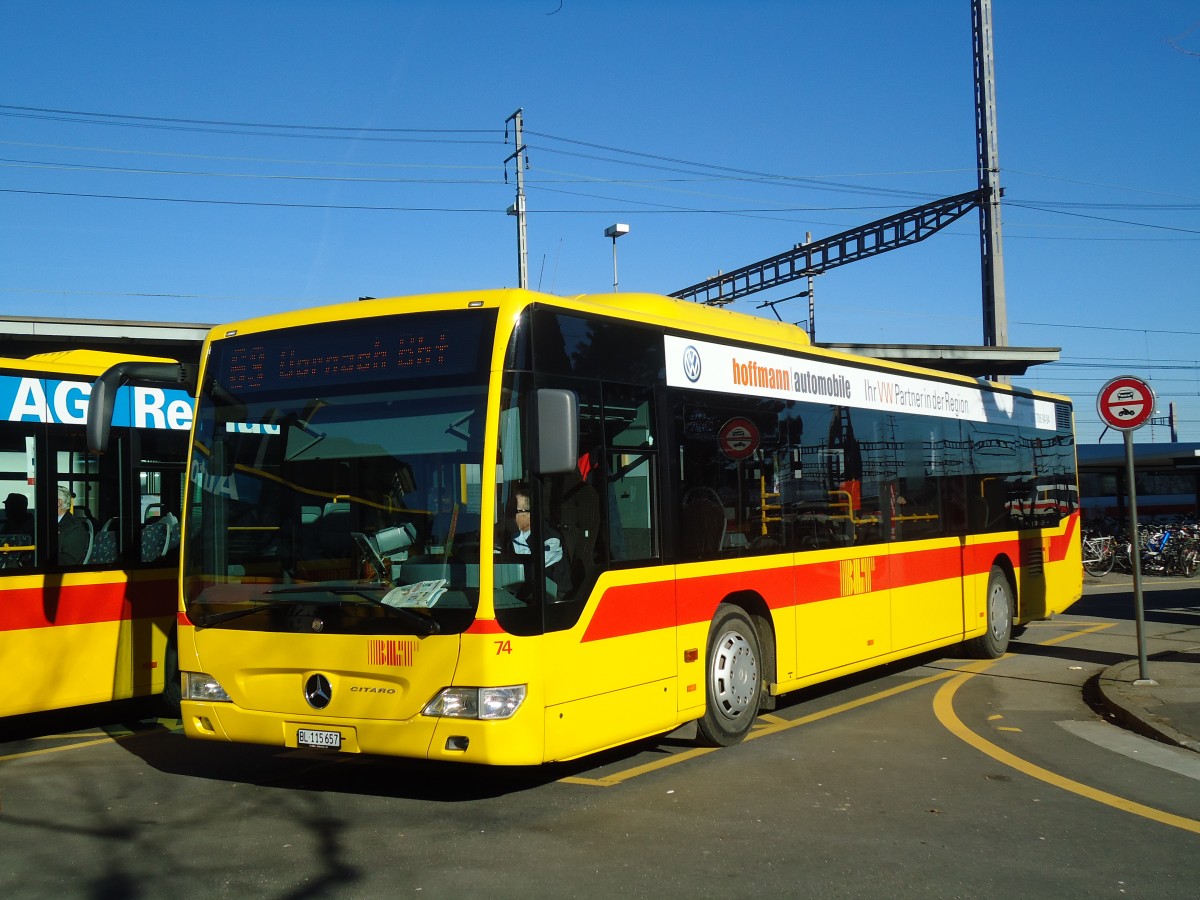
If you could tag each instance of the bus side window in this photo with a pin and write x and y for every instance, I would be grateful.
(18, 474)
(631, 476)
(93, 488)
(160, 496)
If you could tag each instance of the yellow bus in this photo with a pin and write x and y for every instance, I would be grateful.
(88, 545)
(510, 528)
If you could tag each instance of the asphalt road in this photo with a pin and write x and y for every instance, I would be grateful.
(940, 778)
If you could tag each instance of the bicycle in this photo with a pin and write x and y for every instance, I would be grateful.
(1099, 554)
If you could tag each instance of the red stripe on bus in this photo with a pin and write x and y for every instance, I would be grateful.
(699, 596)
(633, 609)
(84, 604)
(485, 626)
(1059, 544)
(925, 566)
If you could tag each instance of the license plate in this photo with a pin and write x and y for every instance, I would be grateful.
(325, 740)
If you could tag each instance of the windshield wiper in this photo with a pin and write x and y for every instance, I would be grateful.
(258, 604)
(423, 624)
(216, 618)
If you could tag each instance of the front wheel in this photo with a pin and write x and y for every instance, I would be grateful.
(1000, 609)
(733, 678)
(168, 700)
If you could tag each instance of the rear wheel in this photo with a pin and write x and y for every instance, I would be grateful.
(1102, 565)
(733, 678)
(1000, 609)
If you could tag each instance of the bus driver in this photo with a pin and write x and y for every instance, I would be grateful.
(518, 543)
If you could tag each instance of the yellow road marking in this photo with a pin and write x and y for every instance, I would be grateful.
(619, 777)
(764, 725)
(45, 750)
(1084, 628)
(943, 707)
(98, 738)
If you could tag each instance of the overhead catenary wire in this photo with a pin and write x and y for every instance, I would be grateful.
(617, 155)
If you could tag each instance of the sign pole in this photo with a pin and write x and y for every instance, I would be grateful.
(1126, 404)
(1135, 557)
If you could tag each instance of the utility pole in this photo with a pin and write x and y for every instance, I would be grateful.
(518, 208)
(995, 305)
(812, 298)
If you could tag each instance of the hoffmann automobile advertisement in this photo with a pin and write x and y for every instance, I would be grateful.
(736, 370)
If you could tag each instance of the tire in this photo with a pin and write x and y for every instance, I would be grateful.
(993, 643)
(168, 700)
(733, 678)
(1189, 563)
(1098, 568)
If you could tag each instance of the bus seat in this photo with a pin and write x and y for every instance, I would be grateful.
(104, 552)
(703, 523)
(11, 559)
(332, 531)
(155, 537)
(91, 537)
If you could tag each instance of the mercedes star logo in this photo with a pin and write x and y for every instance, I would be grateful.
(317, 691)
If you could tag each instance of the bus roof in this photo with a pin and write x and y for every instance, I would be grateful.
(84, 363)
(653, 309)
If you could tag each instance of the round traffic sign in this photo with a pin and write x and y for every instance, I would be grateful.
(1125, 403)
(738, 438)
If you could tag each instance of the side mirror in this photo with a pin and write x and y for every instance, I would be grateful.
(104, 392)
(557, 432)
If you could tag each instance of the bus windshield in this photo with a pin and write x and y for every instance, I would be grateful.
(336, 477)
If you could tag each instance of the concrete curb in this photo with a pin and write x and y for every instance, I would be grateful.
(1138, 707)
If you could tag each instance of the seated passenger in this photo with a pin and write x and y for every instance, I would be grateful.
(72, 533)
(17, 531)
(17, 517)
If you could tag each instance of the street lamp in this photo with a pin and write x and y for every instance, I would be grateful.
(614, 232)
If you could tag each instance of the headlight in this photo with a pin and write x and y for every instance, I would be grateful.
(198, 686)
(476, 703)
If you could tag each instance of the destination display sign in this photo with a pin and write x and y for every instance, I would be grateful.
(358, 352)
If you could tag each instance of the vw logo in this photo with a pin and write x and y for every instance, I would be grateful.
(317, 691)
(691, 364)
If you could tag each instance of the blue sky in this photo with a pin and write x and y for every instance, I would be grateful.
(206, 162)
